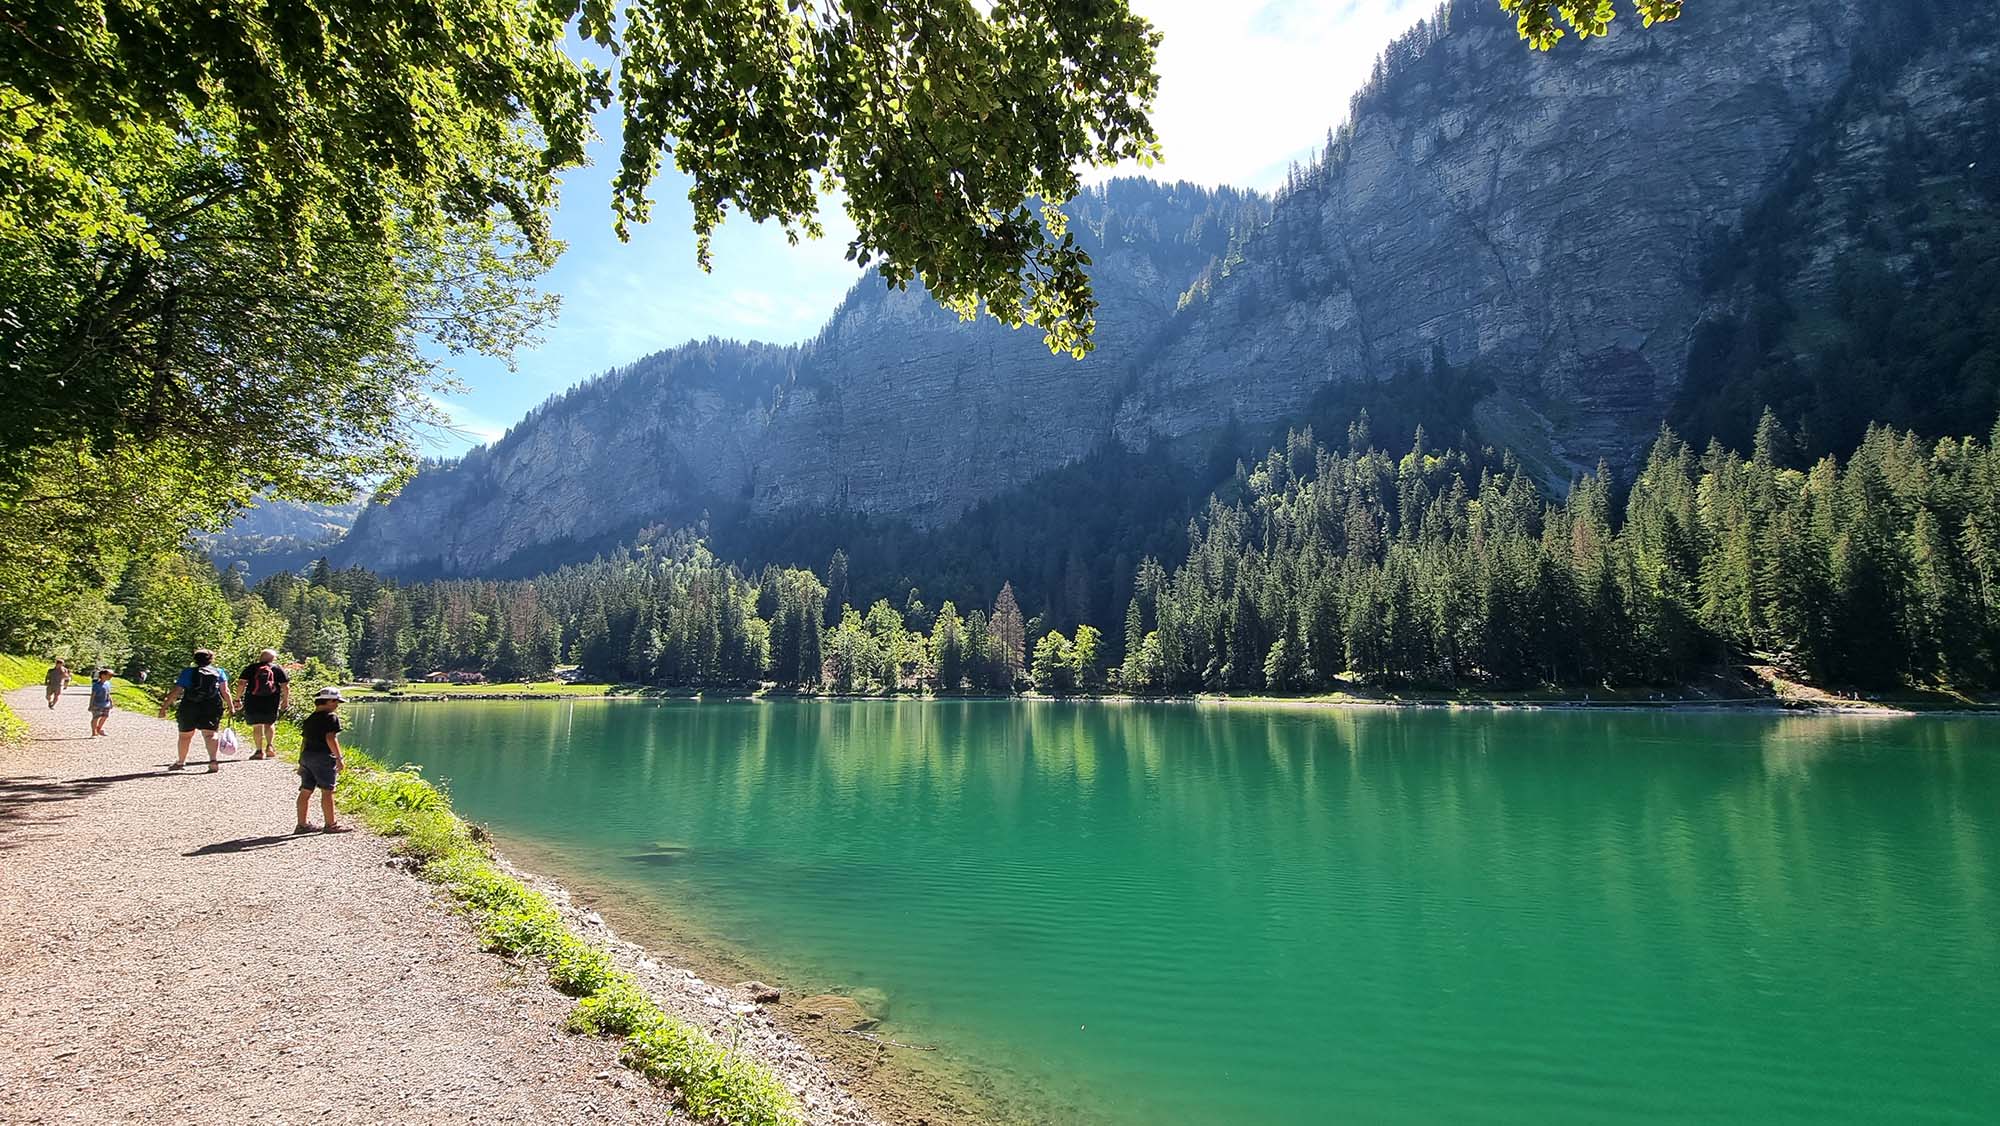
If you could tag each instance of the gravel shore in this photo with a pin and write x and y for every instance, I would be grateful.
(175, 954)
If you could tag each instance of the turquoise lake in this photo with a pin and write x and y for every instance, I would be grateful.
(1180, 913)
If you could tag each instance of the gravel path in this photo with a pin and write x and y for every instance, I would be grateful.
(173, 954)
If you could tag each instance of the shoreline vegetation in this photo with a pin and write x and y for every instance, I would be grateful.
(1773, 693)
(1338, 573)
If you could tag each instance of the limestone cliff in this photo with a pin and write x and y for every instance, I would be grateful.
(895, 408)
(1543, 215)
(1552, 221)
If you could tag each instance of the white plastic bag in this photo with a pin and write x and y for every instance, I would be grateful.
(226, 743)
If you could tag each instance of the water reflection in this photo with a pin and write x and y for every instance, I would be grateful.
(1185, 912)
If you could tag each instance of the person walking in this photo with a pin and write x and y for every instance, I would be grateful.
(203, 695)
(56, 681)
(267, 691)
(320, 762)
(100, 702)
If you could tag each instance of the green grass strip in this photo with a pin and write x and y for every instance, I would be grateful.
(20, 672)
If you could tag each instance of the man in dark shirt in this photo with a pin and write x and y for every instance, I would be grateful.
(320, 761)
(266, 692)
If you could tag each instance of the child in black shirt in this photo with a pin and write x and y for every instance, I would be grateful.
(320, 761)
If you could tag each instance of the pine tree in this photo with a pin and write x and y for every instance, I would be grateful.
(1129, 673)
(978, 653)
(837, 593)
(1009, 632)
(948, 645)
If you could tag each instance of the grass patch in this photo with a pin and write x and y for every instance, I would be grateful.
(714, 1082)
(21, 672)
(13, 728)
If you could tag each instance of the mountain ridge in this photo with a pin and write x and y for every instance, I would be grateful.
(1547, 223)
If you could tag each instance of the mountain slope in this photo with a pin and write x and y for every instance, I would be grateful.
(896, 408)
(1543, 214)
(1588, 237)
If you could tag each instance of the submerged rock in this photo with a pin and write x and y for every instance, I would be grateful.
(843, 1014)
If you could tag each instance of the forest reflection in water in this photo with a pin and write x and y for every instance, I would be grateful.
(1271, 914)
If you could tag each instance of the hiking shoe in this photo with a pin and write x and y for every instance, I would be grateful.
(297, 829)
(177, 766)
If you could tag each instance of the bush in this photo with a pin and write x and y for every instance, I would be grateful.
(714, 1082)
(578, 968)
(617, 1008)
(307, 682)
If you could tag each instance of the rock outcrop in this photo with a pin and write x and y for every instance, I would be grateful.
(1549, 220)
(897, 407)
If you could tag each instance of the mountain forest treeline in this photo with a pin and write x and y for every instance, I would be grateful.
(1316, 569)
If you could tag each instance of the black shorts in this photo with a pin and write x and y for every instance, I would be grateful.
(198, 719)
(317, 772)
(260, 710)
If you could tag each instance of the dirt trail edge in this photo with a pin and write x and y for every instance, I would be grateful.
(173, 953)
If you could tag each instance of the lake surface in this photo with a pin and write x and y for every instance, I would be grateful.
(1198, 914)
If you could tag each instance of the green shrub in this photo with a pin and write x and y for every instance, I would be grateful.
(714, 1082)
(307, 682)
(578, 968)
(617, 1008)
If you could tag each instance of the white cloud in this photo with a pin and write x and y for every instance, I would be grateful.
(465, 427)
(1247, 88)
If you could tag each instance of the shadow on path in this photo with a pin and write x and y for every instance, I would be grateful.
(245, 844)
(36, 790)
(36, 800)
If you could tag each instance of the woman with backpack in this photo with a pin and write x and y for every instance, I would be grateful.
(202, 693)
(266, 692)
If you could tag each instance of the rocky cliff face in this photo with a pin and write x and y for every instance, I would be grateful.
(895, 408)
(1547, 219)
(1543, 216)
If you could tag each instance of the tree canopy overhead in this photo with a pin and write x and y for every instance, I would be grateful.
(1542, 21)
(238, 237)
(942, 122)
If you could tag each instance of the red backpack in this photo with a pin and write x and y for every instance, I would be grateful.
(263, 680)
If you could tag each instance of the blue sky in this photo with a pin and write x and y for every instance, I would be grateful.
(1245, 89)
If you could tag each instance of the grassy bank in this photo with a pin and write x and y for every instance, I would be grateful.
(16, 672)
